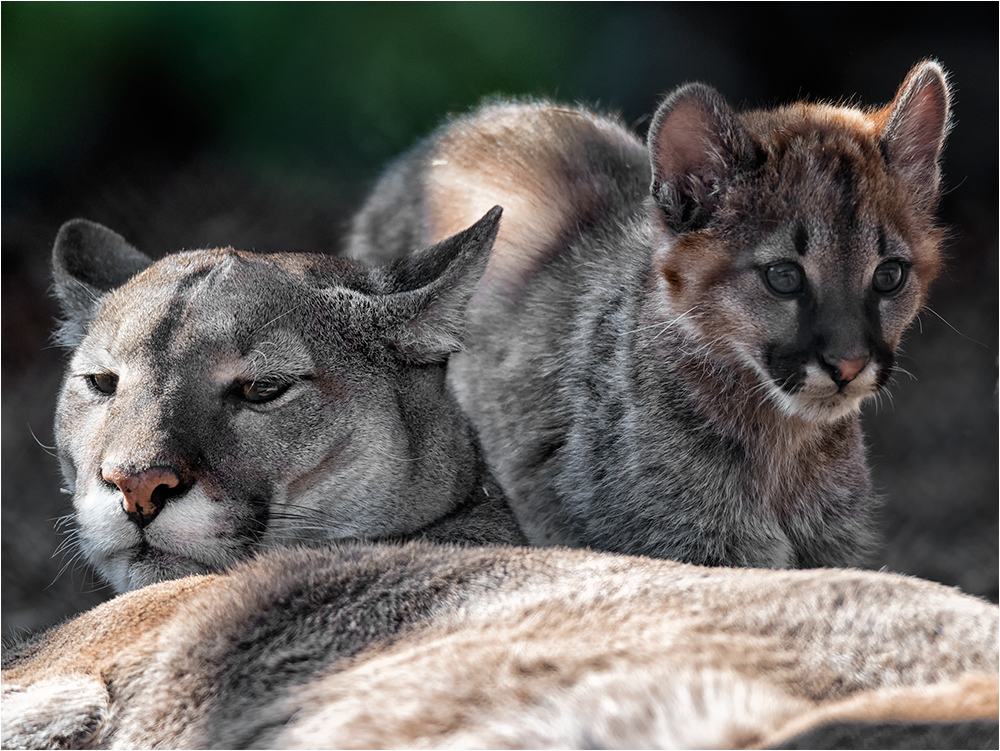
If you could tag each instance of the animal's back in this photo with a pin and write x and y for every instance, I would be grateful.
(402, 646)
(557, 171)
(566, 177)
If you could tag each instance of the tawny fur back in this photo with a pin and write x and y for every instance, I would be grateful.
(438, 647)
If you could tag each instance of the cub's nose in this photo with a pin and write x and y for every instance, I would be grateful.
(144, 492)
(844, 370)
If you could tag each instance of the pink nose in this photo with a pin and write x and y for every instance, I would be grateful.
(848, 369)
(141, 503)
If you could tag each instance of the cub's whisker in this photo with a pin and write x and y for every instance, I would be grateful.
(929, 309)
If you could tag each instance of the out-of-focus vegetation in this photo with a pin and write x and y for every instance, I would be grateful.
(347, 85)
(343, 82)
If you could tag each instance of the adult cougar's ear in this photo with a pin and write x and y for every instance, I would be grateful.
(429, 320)
(696, 145)
(89, 260)
(916, 124)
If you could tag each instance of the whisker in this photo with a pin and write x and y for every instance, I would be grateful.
(62, 570)
(904, 371)
(974, 341)
(50, 450)
(892, 403)
(95, 587)
(60, 522)
(660, 323)
(279, 317)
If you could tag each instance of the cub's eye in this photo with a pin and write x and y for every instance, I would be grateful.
(103, 383)
(261, 391)
(785, 278)
(889, 277)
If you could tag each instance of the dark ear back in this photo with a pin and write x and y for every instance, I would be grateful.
(430, 319)
(696, 145)
(89, 260)
(915, 128)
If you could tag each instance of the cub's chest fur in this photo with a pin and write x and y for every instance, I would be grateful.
(218, 402)
(671, 344)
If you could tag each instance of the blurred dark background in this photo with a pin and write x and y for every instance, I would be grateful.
(262, 125)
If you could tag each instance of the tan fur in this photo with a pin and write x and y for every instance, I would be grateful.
(973, 697)
(530, 159)
(591, 664)
(124, 627)
(546, 648)
(77, 672)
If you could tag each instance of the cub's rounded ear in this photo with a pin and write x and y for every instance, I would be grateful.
(916, 124)
(696, 145)
(89, 260)
(431, 317)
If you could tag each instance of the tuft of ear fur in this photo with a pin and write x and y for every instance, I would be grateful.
(916, 124)
(430, 318)
(696, 146)
(89, 260)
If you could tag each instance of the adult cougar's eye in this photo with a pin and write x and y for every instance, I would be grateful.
(262, 391)
(104, 383)
(889, 277)
(785, 278)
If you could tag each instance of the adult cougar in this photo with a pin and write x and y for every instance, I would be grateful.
(218, 402)
(670, 346)
(427, 646)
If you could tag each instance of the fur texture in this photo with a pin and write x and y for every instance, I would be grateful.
(220, 402)
(670, 346)
(423, 646)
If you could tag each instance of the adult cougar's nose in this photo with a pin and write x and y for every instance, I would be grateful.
(144, 492)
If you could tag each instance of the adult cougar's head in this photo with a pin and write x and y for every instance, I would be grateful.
(219, 401)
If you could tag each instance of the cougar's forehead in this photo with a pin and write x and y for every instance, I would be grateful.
(831, 193)
(210, 305)
(826, 164)
(820, 172)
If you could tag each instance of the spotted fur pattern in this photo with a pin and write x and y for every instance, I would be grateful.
(669, 349)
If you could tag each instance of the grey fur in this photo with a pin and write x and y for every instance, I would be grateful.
(368, 442)
(82, 276)
(614, 402)
(913, 735)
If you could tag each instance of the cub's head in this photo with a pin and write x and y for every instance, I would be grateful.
(800, 241)
(218, 401)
